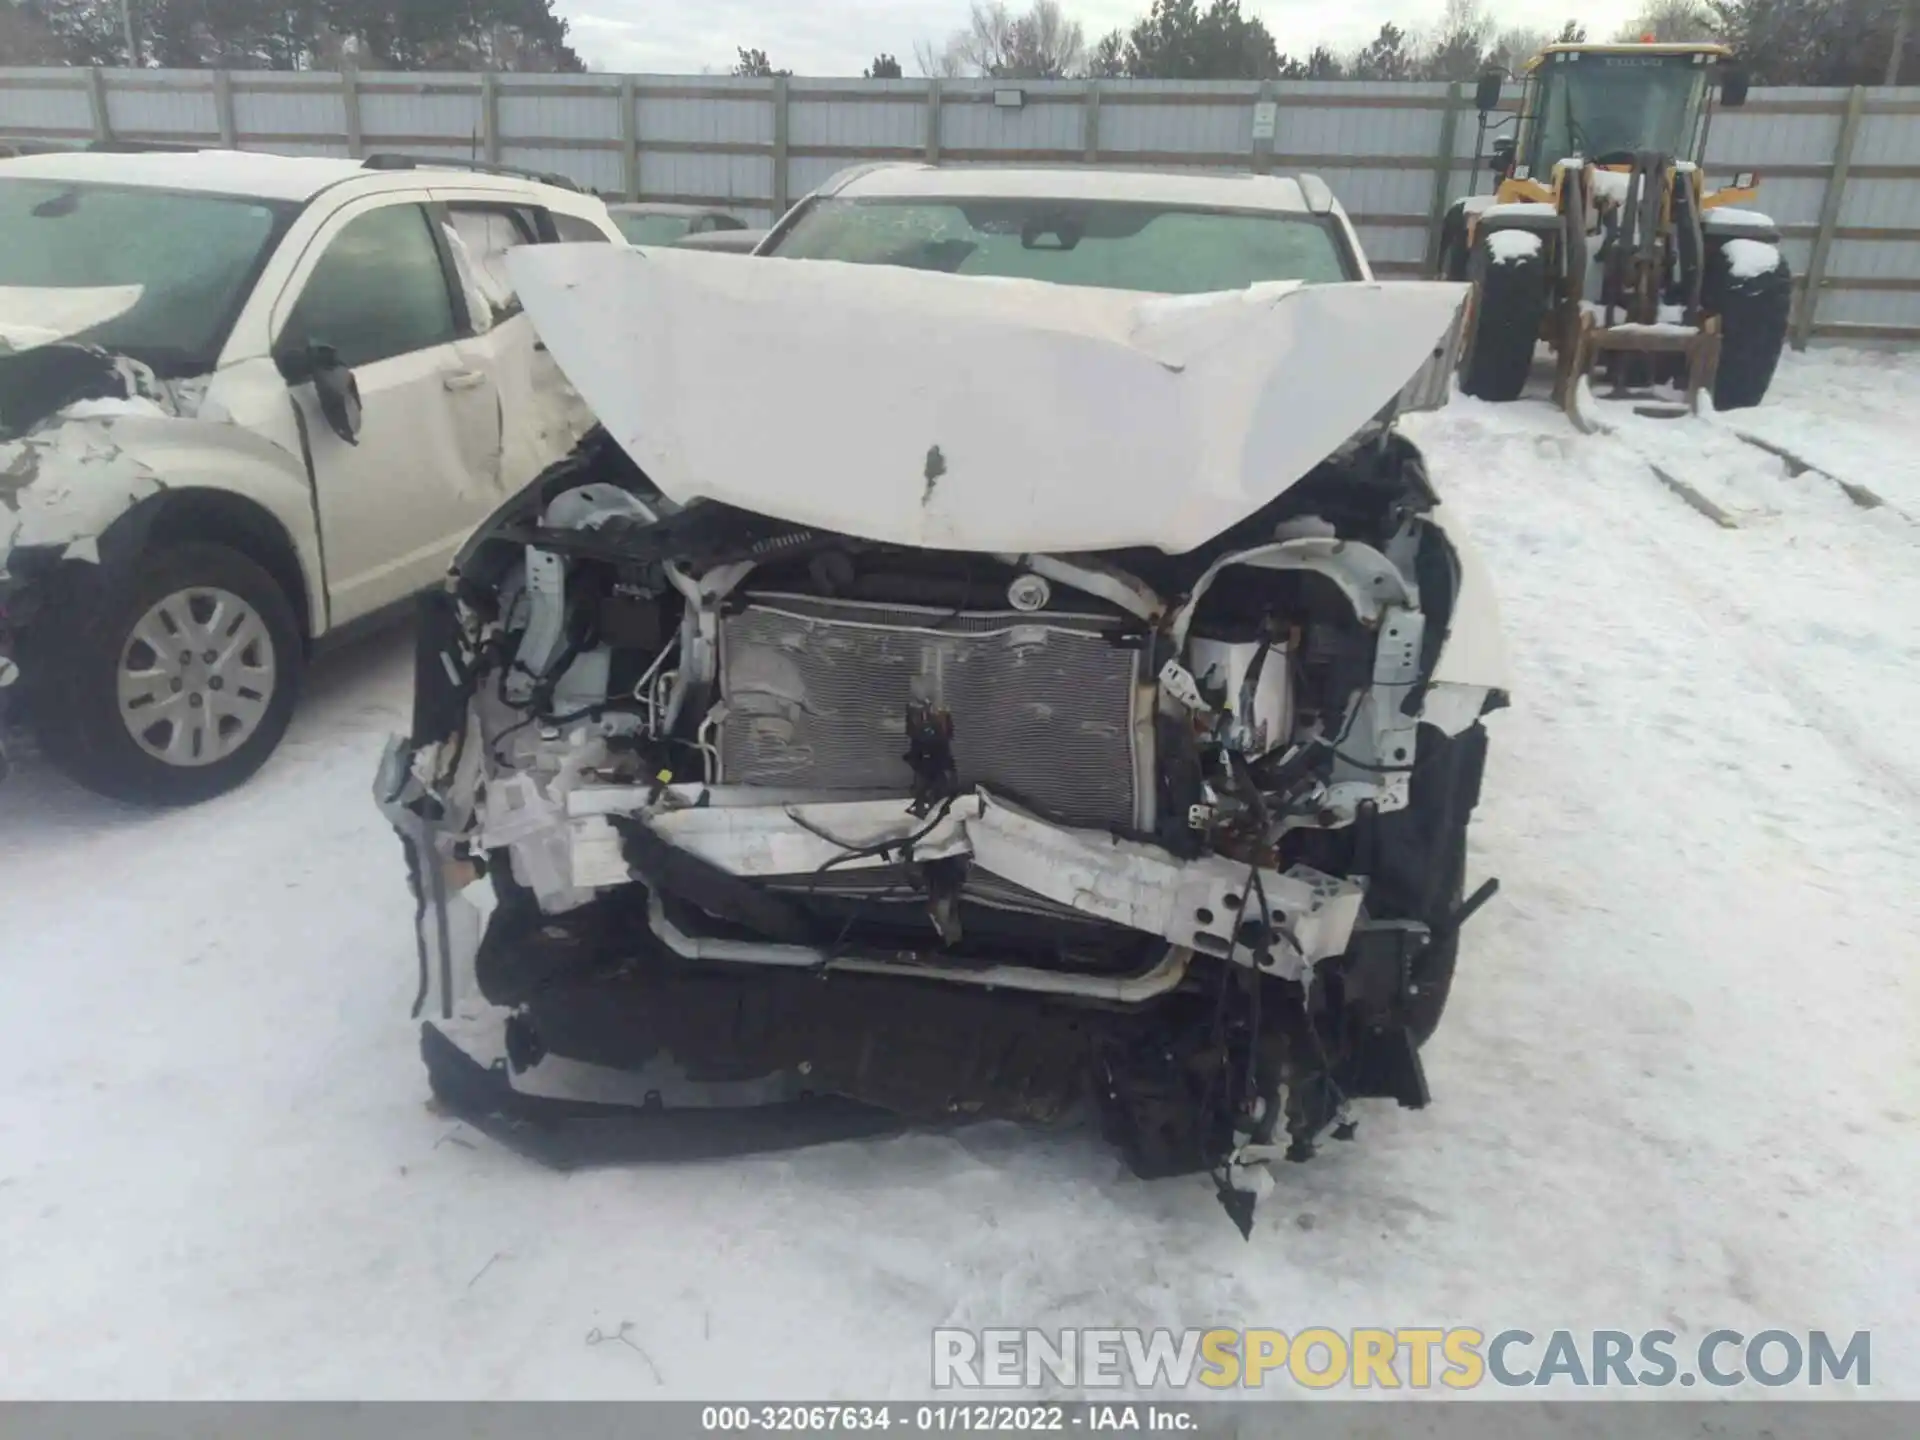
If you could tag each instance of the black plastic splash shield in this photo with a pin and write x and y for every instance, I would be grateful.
(583, 1134)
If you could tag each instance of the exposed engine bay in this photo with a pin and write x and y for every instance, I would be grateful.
(961, 835)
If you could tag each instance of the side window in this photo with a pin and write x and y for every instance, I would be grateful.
(378, 291)
(482, 236)
(571, 227)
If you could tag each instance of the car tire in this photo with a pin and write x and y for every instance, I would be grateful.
(199, 642)
(1753, 313)
(1510, 301)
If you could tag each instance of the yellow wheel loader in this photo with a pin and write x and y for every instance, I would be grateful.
(1602, 239)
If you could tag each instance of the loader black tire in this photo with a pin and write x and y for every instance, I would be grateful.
(1510, 302)
(1753, 311)
(1454, 251)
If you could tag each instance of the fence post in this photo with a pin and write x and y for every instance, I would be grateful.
(490, 115)
(779, 146)
(350, 105)
(933, 120)
(97, 100)
(223, 108)
(1262, 158)
(1442, 177)
(629, 138)
(1090, 123)
(1829, 218)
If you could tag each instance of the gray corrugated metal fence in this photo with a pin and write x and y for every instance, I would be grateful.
(1839, 167)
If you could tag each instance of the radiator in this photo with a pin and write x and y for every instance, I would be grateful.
(815, 692)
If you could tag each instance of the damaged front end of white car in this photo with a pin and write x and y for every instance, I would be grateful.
(928, 699)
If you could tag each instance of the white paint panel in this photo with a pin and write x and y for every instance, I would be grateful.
(1788, 201)
(322, 113)
(1381, 192)
(1894, 204)
(189, 113)
(595, 169)
(810, 173)
(1875, 258)
(61, 109)
(1343, 130)
(334, 151)
(449, 115)
(1870, 307)
(724, 122)
(1743, 140)
(978, 125)
(537, 117)
(1212, 129)
(845, 122)
(1393, 243)
(719, 177)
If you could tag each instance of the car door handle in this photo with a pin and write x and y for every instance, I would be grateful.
(464, 379)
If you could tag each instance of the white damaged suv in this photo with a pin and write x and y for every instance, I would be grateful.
(246, 401)
(998, 657)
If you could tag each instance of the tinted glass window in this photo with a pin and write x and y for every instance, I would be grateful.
(1117, 245)
(572, 227)
(378, 291)
(1606, 107)
(653, 229)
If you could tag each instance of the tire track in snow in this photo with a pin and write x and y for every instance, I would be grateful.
(1759, 501)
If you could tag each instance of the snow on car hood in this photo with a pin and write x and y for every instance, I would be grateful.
(33, 315)
(967, 413)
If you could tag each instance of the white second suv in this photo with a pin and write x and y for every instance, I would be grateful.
(246, 401)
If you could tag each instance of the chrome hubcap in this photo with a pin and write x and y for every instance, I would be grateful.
(196, 676)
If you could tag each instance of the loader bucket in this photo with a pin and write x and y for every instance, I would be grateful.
(1698, 345)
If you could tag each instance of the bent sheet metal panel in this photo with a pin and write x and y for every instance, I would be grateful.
(965, 412)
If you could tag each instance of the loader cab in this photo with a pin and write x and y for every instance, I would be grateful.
(1605, 102)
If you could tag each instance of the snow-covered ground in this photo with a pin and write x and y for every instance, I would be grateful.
(1676, 1088)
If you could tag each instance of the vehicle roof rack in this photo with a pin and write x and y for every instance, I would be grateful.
(390, 160)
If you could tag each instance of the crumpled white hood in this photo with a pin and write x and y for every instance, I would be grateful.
(964, 413)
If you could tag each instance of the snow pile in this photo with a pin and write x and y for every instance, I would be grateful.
(1685, 1025)
(1747, 259)
(1729, 216)
(1610, 184)
(1510, 247)
(1664, 327)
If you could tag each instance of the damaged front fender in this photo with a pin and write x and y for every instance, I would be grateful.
(73, 482)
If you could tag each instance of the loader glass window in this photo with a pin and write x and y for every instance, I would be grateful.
(1112, 244)
(1605, 107)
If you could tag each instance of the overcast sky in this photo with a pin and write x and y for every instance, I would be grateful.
(840, 37)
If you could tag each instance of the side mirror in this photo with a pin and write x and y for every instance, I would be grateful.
(1501, 160)
(1733, 87)
(1486, 95)
(333, 385)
